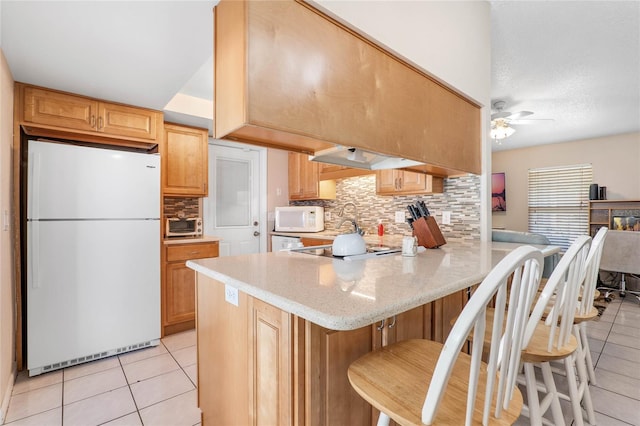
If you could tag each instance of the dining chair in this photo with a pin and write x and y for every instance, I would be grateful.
(417, 382)
(553, 340)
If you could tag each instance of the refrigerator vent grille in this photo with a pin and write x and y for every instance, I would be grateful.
(82, 359)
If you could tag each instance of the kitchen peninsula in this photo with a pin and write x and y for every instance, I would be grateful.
(277, 331)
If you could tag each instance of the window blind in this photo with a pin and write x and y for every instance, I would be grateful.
(559, 203)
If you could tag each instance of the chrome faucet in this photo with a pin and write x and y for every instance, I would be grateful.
(354, 220)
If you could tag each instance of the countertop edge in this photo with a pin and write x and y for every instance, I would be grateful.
(331, 322)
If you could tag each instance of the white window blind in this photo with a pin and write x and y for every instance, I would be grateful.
(559, 203)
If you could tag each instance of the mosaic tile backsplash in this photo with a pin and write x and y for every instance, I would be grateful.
(177, 207)
(461, 197)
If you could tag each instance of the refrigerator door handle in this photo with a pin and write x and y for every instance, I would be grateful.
(34, 248)
(34, 193)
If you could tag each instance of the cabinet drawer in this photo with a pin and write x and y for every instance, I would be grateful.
(191, 251)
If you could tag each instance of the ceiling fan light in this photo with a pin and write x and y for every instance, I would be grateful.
(501, 132)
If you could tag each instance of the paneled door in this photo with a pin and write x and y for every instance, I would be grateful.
(233, 208)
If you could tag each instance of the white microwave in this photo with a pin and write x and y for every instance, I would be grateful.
(300, 219)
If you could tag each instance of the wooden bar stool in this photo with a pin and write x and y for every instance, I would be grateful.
(396, 378)
(586, 310)
(554, 340)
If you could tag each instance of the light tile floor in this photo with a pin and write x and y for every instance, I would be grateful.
(157, 386)
(614, 340)
(154, 386)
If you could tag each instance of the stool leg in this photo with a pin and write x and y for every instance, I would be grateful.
(574, 395)
(556, 410)
(582, 329)
(585, 394)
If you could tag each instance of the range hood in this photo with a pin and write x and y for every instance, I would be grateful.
(361, 159)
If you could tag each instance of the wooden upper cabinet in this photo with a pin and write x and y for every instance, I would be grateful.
(397, 182)
(54, 109)
(185, 160)
(304, 180)
(290, 77)
(59, 109)
(127, 121)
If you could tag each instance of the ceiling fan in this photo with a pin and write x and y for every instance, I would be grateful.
(501, 120)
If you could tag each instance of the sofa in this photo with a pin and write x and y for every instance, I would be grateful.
(508, 236)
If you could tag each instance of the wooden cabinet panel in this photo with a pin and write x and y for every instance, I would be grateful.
(272, 364)
(310, 242)
(178, 284)
(180, 291)
(444, 311)
(304, 180)
(270, 102)
(331, 400)
(192, 251)
(59, 109)
(127, 121)
(223, 358)
(185, 161)
(56, 109)
(398, 182)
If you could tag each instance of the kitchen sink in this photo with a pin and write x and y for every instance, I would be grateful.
(372, 252)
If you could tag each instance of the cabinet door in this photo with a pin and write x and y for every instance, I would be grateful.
(59, 109)
(121, 120)
(271, 373)
(410, 181)
(331, 399)
(387, 181)
(303, 177)
(180, 295)
(185, 161)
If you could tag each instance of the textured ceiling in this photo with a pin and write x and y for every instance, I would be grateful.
(577, 62)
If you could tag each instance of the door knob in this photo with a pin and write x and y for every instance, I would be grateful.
(256, 233)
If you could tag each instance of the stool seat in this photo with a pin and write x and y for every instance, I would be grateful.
(396, 377)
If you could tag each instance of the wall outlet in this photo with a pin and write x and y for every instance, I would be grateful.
(400, 216)
(446, 218)
(231, 294)
(327, 216)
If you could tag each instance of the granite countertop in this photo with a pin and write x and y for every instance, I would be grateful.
(345, 295)
(192, 240)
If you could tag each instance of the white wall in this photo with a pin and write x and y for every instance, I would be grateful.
(451, 40)
(7, 294)
(615, 161)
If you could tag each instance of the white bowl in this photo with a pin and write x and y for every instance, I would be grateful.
(348, 245)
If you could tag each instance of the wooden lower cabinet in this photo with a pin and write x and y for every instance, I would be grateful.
(259, 365)
(178, 284)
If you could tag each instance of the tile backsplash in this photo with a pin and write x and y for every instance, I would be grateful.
(461, 197)
(178, 206)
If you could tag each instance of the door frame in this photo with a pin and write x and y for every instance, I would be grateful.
(262, 184)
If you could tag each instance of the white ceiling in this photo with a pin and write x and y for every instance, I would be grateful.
(577, 62)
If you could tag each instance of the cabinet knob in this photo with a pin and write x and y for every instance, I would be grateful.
(393, 322)
(381, 326)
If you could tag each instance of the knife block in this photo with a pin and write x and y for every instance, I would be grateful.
(428, 233)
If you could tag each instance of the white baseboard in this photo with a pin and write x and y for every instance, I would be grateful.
(7, 394)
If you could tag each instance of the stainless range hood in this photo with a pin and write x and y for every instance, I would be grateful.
(361, 159)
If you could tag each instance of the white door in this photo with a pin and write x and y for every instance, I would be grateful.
(234, 208)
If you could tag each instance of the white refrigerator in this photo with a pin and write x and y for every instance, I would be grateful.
(93, 254)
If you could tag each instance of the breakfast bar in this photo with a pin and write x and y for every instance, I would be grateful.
(277, 331)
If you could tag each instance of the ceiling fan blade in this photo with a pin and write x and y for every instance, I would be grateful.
(520, 114)
(531, 121)
(500, 114)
